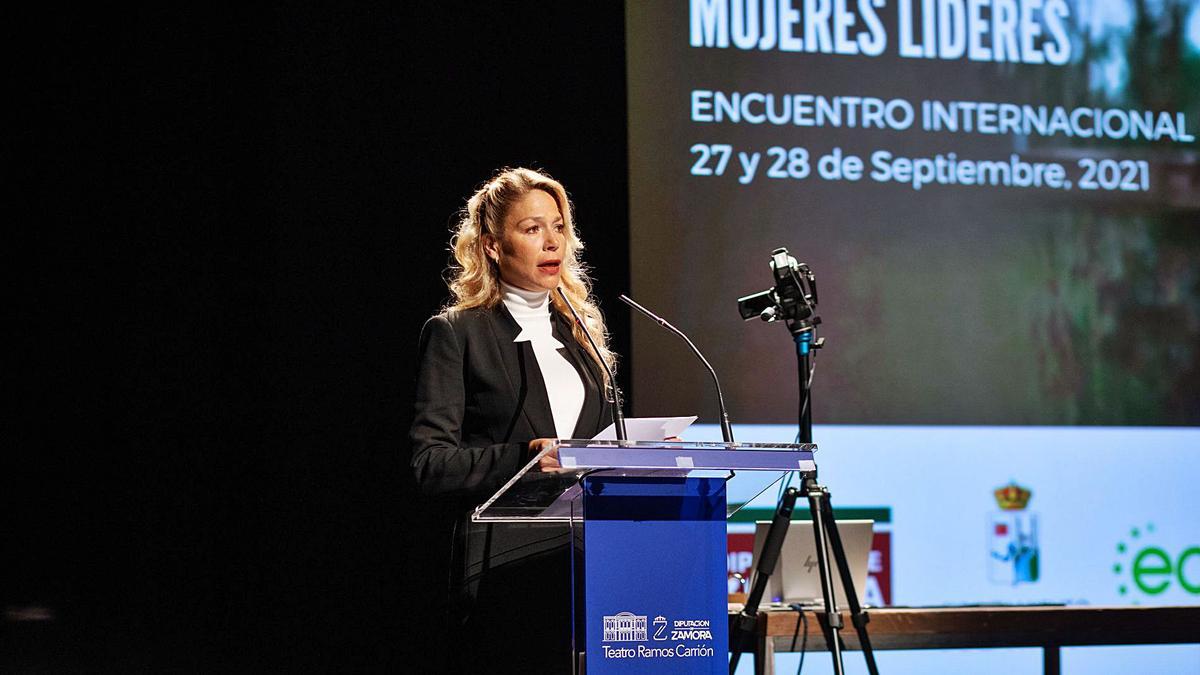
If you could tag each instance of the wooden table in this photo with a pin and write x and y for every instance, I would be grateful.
(1048, 627)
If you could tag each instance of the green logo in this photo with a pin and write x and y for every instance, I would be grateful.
(1153, 570)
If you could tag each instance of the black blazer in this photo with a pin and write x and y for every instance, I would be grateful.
(481, 398)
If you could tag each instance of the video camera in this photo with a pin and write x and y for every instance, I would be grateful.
(793, 298)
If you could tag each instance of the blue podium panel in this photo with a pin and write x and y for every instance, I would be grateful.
(654, 575)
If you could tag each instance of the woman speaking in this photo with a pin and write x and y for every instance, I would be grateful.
(503, 372)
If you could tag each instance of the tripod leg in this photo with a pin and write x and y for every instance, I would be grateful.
(833, 618)
(857, 616)
(745, 625)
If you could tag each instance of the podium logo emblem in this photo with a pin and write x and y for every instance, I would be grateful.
(660, 628)
(625, 627)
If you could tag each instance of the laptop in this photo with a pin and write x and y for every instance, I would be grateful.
(797, 577)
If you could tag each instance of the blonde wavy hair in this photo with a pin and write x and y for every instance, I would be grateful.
(475, 279)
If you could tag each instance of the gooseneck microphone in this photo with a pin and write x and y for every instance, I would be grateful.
(726, 428)
(617, 415)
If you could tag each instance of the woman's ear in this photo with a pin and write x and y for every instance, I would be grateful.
(491, 247)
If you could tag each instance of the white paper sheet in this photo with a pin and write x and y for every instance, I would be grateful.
(648, 428)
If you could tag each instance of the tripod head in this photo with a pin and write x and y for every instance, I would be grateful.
(793, 298)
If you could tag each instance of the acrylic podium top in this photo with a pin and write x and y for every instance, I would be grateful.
(552, 496)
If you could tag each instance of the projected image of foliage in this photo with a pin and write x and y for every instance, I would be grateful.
(1116, 316)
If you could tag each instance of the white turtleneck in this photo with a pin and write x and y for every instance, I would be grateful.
(531, 309)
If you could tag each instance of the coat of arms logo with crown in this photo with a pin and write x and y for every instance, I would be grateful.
(1013, 537)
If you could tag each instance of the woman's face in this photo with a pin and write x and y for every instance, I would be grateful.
(530, 252)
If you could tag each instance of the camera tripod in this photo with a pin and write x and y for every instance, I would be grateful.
(744, 625)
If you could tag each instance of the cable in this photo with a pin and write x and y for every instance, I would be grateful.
(804, 644)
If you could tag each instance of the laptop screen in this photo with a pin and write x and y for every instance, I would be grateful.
(797, 578)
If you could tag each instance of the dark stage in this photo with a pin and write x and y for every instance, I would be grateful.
(230, 226)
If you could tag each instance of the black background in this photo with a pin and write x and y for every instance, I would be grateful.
(228, 227)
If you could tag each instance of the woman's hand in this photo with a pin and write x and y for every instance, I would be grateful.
(549, 461)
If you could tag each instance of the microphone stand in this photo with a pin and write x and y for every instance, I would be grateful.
(618, 415)
(726, 427)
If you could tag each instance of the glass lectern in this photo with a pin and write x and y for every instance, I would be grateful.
(646, 523)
